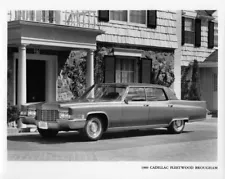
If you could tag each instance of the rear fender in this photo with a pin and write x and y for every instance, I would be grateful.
(185, 119)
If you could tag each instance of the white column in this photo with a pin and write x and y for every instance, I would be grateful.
(90, 69)
(22, 78)
(50, 82)
(177, 55)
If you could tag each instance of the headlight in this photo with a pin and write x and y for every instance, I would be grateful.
(64, 115)
(31, 113)
(23, 113)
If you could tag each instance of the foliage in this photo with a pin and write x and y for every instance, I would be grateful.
(194, 92)
(190, 86)
(99, 63)
(12, 113)
(75, 70)
(162, 67)
(185, 82)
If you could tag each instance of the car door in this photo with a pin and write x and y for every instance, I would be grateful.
(135, 110)
(160, 109)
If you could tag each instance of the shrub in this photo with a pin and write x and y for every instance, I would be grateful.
(194, 92)
(190, 86)
(12, 113)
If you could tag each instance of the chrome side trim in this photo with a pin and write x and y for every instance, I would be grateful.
(96, 112)
(137, 127)
(196, 120)
(77, 120)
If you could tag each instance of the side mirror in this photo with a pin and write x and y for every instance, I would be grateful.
(126, 100)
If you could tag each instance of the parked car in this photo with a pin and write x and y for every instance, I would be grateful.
(107, 107)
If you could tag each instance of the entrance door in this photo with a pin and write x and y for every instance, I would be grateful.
(35, 80)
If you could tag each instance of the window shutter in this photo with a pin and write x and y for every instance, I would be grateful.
(210, 34)
(151, 19)
(183, 31)
(146, 69)
(103, 16)
(109, 69)
(51, 16)
(197, 32)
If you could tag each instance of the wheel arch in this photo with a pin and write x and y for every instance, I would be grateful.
(102, 115)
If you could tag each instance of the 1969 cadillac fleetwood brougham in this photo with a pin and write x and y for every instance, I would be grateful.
(105, 107)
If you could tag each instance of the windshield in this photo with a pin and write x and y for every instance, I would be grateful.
(104, 93)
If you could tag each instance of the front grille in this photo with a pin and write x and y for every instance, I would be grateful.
(47, 115)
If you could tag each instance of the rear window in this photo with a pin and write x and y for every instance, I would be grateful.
(155, 94)
(171, 94)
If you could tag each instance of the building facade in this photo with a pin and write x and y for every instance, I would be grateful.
(39, 43)
(200, 42)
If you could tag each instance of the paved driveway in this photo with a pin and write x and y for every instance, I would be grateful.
(198, 142)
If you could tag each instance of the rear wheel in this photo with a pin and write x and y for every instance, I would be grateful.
(93, 129)
(46, 133)
(176, 127)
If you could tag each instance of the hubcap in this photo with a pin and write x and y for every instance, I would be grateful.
(178, 125)
(93, 128)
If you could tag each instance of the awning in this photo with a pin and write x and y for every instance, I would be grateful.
(210, 61)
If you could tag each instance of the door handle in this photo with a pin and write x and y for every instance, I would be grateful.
(170, 105)
(146, 105)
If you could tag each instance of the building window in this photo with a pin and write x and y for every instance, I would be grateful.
(118, 15)
(124, 70)
(215, 34)
(138, 17)
(148, 18)
(189, 31)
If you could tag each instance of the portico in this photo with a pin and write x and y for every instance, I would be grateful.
(25, 35)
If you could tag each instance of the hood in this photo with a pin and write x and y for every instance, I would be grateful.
(64, 104)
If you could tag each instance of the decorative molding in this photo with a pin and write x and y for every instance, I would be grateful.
(127, 52)
(58, 43)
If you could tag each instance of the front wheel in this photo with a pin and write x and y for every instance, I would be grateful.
(46, 133)
(176, 127)
(93, 129)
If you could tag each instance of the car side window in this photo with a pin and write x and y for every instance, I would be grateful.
(155, 94)
(136, 94)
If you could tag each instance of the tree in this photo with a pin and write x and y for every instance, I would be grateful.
(194, 92)
(190, 86)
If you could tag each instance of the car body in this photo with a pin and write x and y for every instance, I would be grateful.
(111, 106)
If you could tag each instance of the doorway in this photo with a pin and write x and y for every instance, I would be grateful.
(35, 80)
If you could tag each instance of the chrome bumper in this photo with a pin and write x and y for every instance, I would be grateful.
(59, 124)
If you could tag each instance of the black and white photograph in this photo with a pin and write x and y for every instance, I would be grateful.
(137, 86)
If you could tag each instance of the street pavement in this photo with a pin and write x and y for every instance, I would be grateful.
(198, 142)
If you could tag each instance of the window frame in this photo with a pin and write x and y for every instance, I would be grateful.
(135, 87)
(166, 97)
(128, 20)
(192, 31)
(121, 59)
